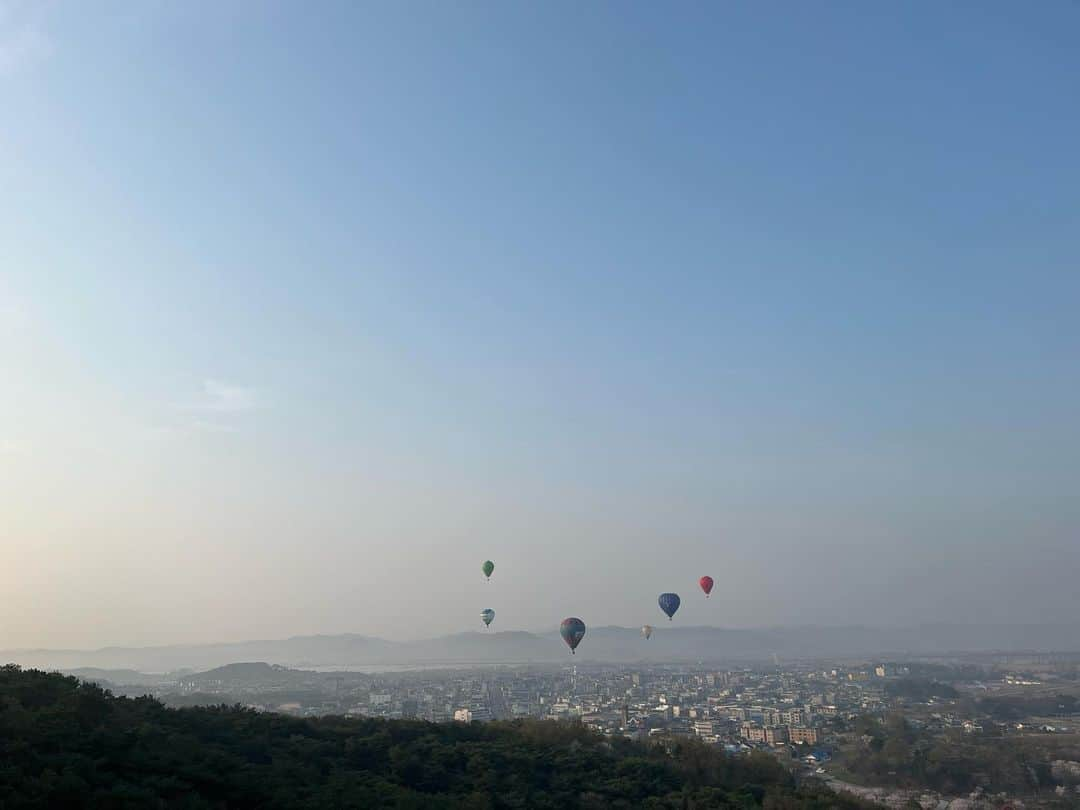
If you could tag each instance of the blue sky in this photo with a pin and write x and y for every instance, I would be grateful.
(325, 306)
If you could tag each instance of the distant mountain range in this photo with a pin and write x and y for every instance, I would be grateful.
(601, 644)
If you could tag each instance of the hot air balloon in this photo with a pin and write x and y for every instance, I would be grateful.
(572, 631)
(488, 615)
(706, 584)
(646, 630)
(669, 603)
(487, 568)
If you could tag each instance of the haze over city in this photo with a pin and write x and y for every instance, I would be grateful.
(306, 311)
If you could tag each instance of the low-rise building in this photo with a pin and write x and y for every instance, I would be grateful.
(803, 734)
(774, 735)
(752, 732)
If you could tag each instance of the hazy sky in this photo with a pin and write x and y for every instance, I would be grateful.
(307, 309)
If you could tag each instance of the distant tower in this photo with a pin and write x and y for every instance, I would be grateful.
(625, 716)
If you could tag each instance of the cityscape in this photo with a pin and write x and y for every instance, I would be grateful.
(820, 719)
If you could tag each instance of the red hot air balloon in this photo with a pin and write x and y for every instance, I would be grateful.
(706, 584)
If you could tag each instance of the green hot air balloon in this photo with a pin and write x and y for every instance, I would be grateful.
(487, 568)
(488, 615)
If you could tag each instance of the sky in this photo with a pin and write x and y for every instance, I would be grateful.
(308, 309)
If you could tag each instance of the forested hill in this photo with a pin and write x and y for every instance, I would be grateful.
(69, 744)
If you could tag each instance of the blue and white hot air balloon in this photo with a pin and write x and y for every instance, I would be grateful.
(669, 603)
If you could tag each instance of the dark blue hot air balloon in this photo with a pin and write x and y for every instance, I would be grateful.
(572, 631)
(669, 603)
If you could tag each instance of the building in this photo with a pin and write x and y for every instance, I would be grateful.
(463, 716)
(793, 717)
(752, 732)
(802, 734)
(704, 728)
(890, 670)
(479, 713)
(774, 735)
(770, 717)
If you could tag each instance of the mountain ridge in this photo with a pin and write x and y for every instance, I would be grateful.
(603, 644)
